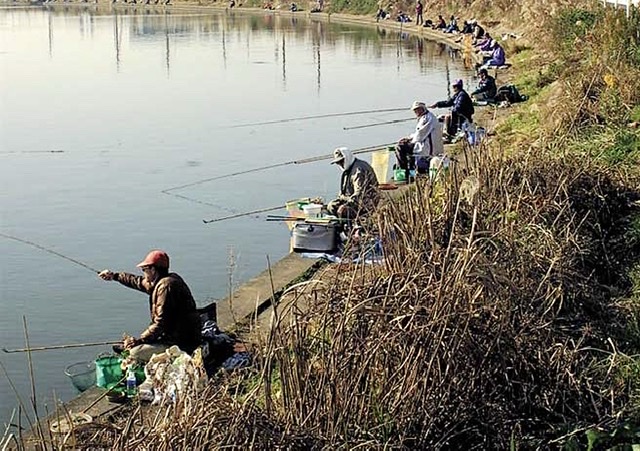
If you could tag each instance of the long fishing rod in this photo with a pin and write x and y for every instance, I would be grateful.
(395, 121)
(67, 346)
(271, 166)
(319, 116)
(50, 251)
(246, 213)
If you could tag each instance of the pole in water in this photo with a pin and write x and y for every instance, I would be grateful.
(67, 346)
(320, 116)
(271, 166)
(50, 251)
(247, 213)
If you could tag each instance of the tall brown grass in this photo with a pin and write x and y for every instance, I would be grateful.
(491, 321)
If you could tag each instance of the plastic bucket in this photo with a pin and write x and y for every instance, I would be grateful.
(400, 175)
(82, 375)
(108, 371)
(140, 374)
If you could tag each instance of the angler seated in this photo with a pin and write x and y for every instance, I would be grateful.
(417, 149)
(496, 56)
(359, 193)
(174, 319)
(487, 89)
(461, 110)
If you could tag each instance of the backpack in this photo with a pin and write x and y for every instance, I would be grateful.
(510, 94)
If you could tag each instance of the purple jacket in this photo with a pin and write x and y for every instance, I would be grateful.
(497, 56)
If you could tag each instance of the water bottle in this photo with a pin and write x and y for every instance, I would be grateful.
(131, 383)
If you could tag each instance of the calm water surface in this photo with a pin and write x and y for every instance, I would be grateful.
(103, 109)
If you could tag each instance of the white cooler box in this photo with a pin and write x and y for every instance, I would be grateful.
(314, 237)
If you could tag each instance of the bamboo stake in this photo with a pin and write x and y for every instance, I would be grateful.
(34, 400)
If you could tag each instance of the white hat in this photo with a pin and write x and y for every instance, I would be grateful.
(338, 154)
(417, 104)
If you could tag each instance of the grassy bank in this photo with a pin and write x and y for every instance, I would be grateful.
(507, 311)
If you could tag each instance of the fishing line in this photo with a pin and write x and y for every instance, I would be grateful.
(319, 116)
(395, 121)
(50, 251)
(271, 166)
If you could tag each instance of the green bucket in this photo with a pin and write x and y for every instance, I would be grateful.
(400, 175)
(139, 372)
(108, 371)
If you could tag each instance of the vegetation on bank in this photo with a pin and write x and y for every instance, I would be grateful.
(507, 311)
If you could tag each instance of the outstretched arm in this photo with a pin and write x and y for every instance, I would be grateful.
(128, 280)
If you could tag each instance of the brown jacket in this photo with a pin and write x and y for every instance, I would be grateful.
(174, 319)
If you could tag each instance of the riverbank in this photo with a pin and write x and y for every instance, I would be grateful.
(505, 314)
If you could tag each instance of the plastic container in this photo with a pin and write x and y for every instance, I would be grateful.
(400, 175)
(108, 371)
(131, 383)
(82, 375)
(312, 210)
(294, 207)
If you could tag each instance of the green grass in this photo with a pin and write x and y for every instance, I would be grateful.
(613, 146)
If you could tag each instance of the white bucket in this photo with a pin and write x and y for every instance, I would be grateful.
(312, 210)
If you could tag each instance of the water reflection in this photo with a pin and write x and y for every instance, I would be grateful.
(139, 25)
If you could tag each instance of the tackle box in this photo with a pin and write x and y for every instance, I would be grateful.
(311, 236)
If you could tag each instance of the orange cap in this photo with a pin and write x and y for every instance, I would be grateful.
(155, 258)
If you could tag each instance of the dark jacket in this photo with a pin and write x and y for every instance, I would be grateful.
(460, 104)
(174, 319)
(487, 86)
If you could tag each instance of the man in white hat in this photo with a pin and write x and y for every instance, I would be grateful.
(359, 193)
(417, 149)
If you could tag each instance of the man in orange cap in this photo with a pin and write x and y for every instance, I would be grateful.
(174, 319)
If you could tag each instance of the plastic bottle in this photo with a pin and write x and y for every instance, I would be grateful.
(131, 383)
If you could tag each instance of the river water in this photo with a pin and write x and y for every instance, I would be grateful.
(103, 108)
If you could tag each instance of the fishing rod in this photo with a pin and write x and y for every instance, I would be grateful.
(67, 346)
(247, 213)
(319, 116)
(271, 166)
(50, 251)
(395, 121)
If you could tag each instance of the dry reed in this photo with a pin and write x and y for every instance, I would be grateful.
(490, 320)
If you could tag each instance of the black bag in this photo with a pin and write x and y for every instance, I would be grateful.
(510, 94)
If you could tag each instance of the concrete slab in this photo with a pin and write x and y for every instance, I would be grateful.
(255, 295)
